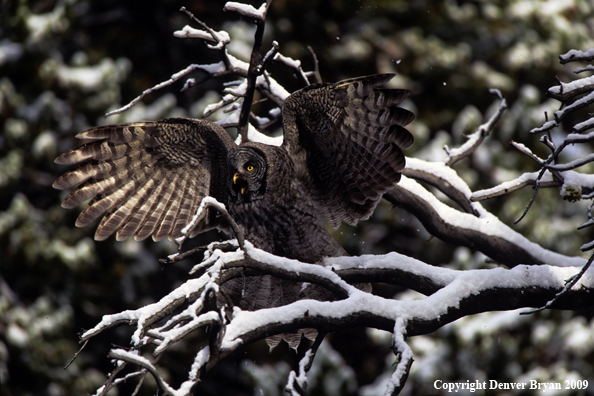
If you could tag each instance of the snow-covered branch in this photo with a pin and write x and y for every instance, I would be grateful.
(455, 294)
(477, 137)
(238, 101)
(575, 186)
(483, 232)
(202, 305)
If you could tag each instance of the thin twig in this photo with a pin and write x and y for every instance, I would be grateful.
(317, 74)
(252, 75)
(268, 58)
(475, 140)
(404, 358)
(116, 354)
(297, 382)
(536, 185)
(76, 354)
(204, 25)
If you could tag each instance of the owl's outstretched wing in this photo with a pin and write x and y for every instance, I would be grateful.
(346, 140)
(147, 177)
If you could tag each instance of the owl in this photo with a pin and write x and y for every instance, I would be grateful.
(341, 151)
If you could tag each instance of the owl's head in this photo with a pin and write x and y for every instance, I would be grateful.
(247, 169)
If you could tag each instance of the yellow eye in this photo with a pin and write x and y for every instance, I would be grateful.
(249, 168)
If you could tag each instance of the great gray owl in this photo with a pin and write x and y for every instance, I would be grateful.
(341, 152)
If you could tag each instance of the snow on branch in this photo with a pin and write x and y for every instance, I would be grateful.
(248, 10)
(254, 75)
(575, 55)
(201, 304)
(578, 104)
(484, 232)
(458, 293)
(565, 91)
(481, 134)
(525, 179)
(575, 186)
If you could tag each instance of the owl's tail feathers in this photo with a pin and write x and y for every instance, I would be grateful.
(293, 339)
(258, 292)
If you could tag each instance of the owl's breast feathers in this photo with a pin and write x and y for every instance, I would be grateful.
(283, 219)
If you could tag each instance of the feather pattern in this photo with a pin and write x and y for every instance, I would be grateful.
(346, 140)
(140, 174)
(342, 151)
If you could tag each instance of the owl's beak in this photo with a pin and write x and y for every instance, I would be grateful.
(242, 187)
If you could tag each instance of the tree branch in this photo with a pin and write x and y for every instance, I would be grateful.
(485, 233)
(479, 136)
(455, 294)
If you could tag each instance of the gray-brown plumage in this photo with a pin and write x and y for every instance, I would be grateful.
(340, 153)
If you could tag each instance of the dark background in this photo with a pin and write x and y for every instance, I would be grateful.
(56, 280)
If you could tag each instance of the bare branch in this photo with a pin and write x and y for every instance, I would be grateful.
(293, 64)
(220, 39)
(317, 75)
(174, 78)
(255, 67)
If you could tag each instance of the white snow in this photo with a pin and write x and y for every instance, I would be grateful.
(579, 103)
(464, 284)
(295, 64)
(578, 54)
(247, 10)
(573, 182)
(487, 224)
(219, 39)
(456, 286)
(148, 311)
(589, 123)
(256, 136)
(300, 378)
(573, 85)
(275, 88)
(200, 361)
(441, 170)
(547, 126)
(523, 180)
(205, 201)
(237, 63)
(406, 356)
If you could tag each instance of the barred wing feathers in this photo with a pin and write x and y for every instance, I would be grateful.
(346, 140)
(147, 177)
